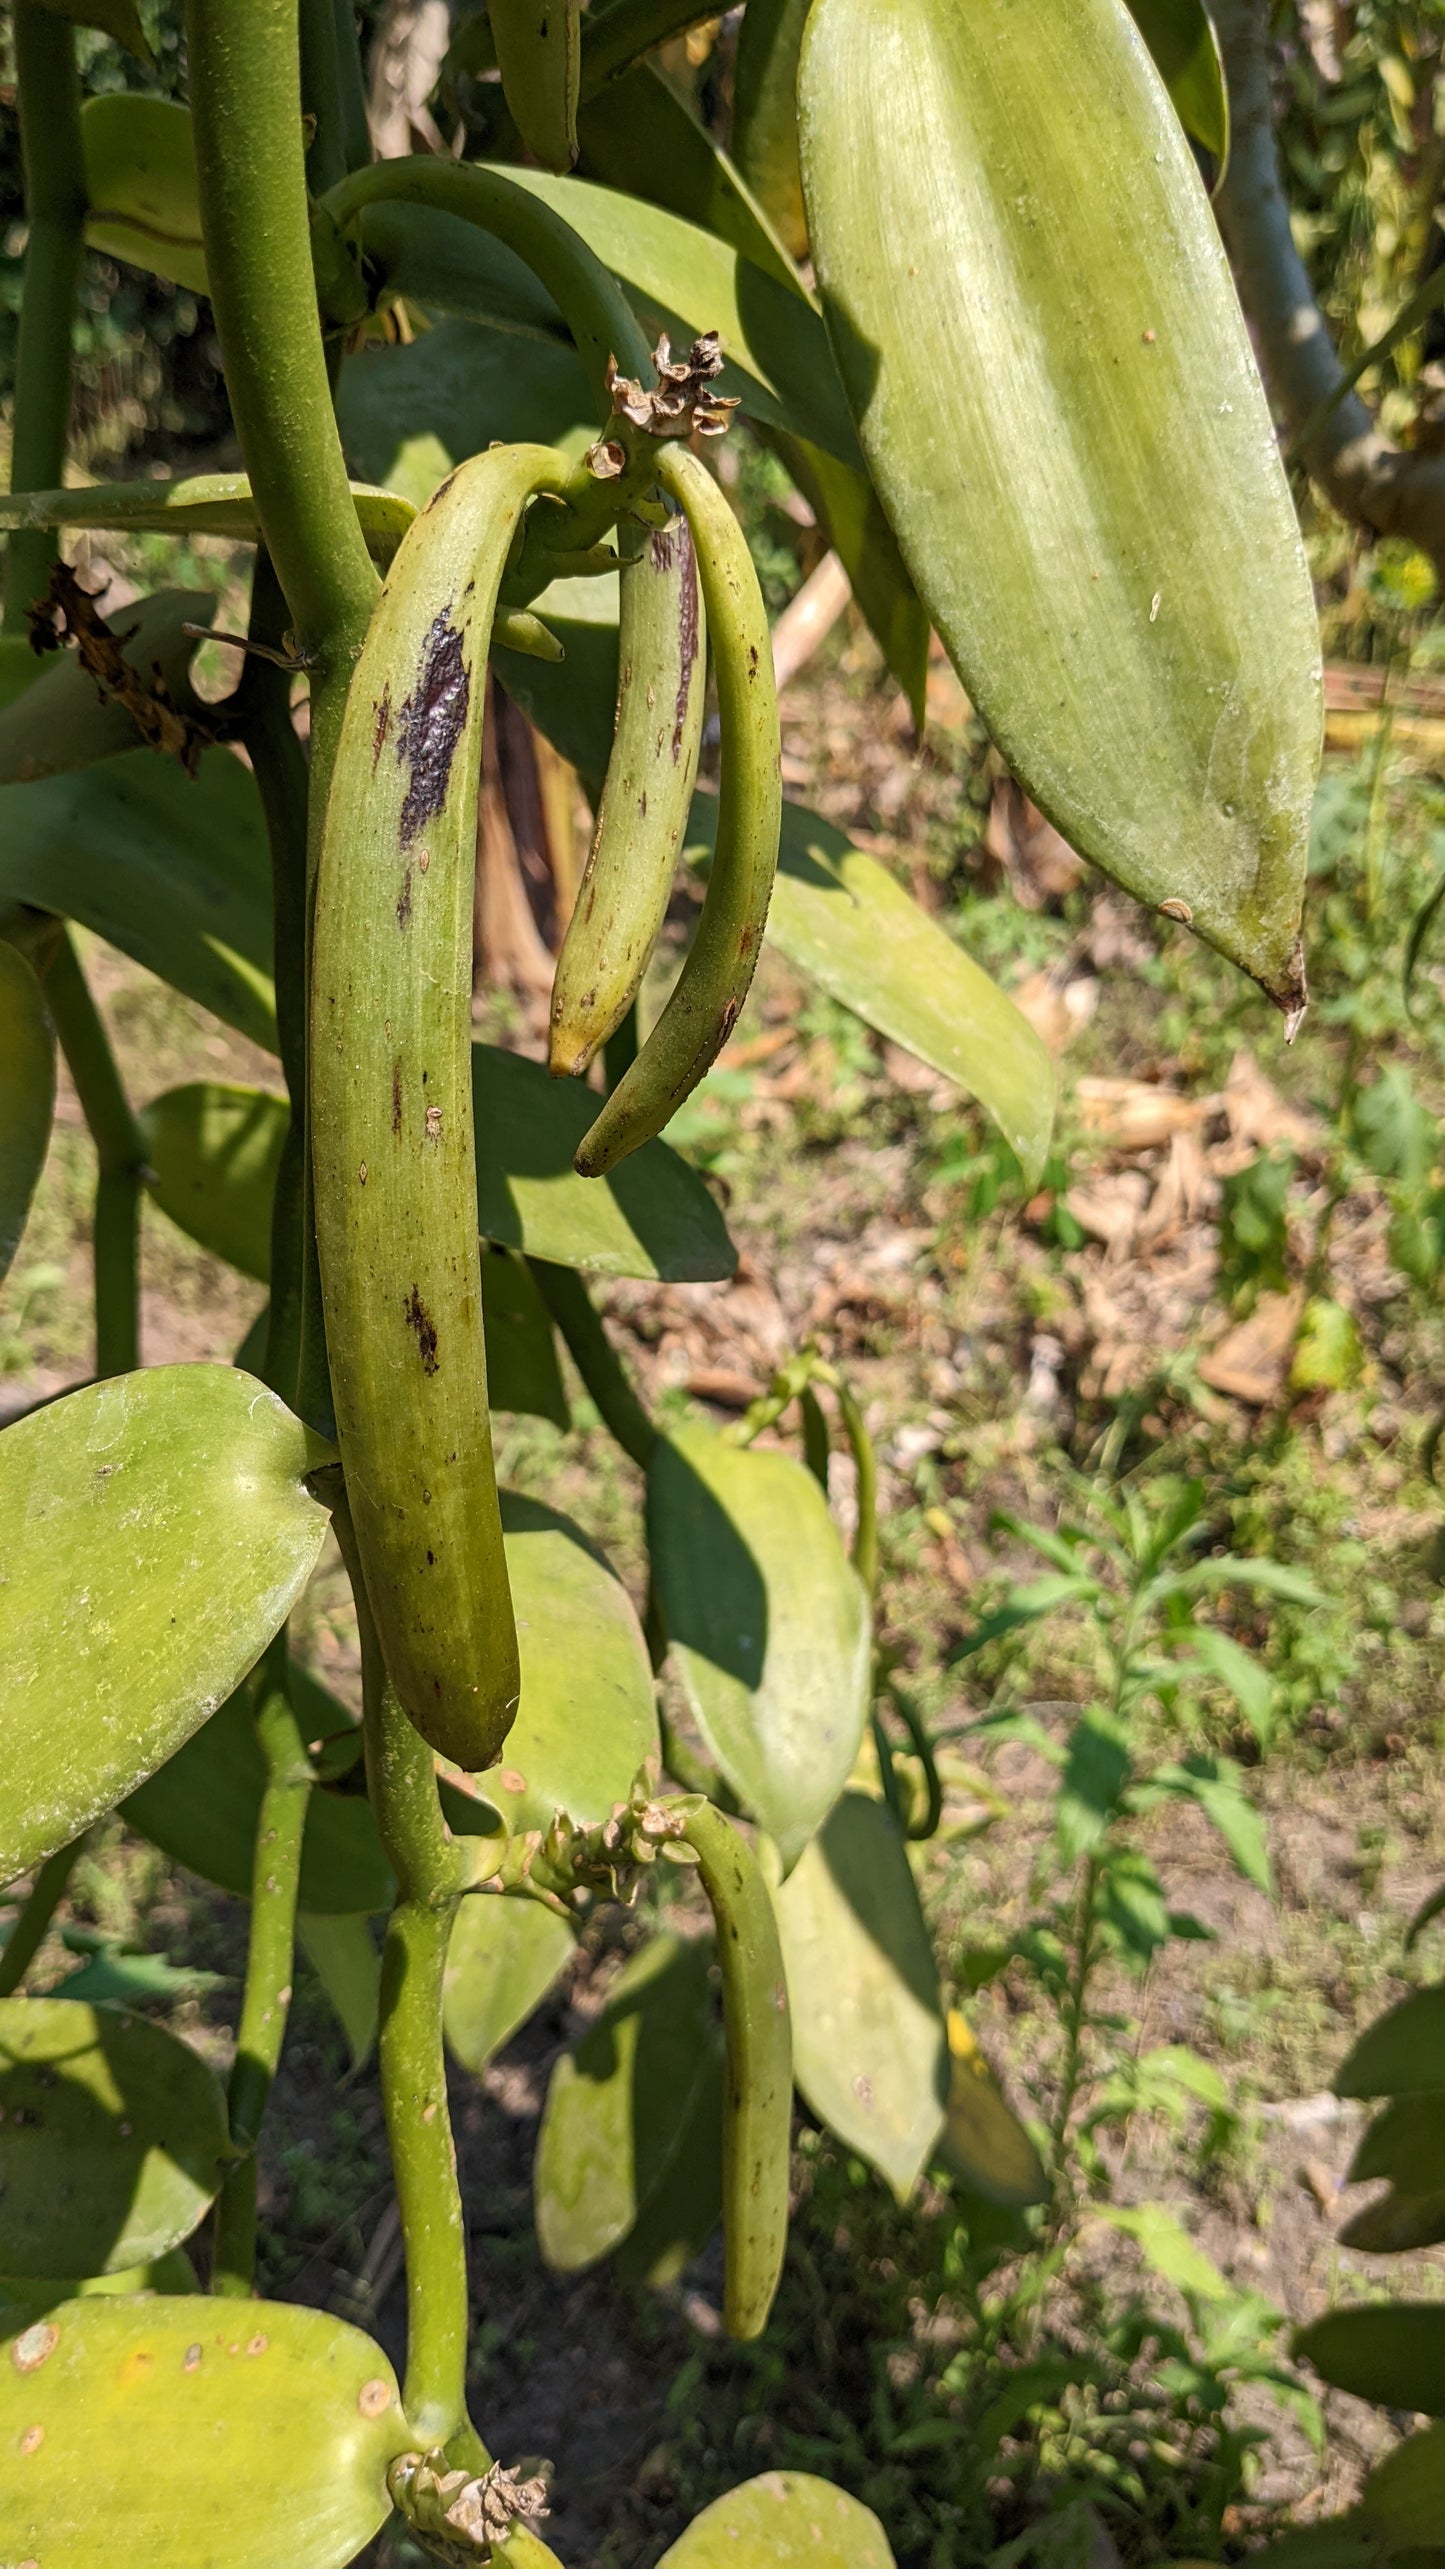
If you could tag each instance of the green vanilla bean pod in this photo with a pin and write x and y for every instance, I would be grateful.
(758, 2090)
(394, 1158)
(539, 55)
(646, 798)
(721, 961)
(1055, 393)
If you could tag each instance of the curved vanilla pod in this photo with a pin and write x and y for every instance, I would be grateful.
(622, 900)
(539, 55)
(758, 2087)
(721, 961)
(391, 1103)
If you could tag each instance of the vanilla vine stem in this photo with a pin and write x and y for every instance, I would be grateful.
(55, 206)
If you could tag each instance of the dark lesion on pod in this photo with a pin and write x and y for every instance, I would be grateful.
(431, 723)
(420, 1322)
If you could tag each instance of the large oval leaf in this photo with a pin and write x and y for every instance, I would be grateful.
(1407, 2493)
(249, 2434)
(652, 1217)
(1180, 36)
(522, 1368)
(684, 280)
(686, 2205)
(620, 2101)
(765, 113)
(768, 1623)
(36, 2294)
(588, 1715)
(1402, 2053)
(845, 921)
(502, 1960)
(175, 870)
(213, 1149)
(27, 1095)
(140, 185)
(785, 2520)
(1056, 395)
(1393, 2355)
(155, 1531)
(409, 414)
(112, 2139)
(65, 722)
(983, 2143)
(870, 2054)
(202, 1806)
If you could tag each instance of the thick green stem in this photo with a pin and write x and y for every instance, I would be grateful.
(295, 1359)
(588, 296)
(592, 1352)
(245, 68)
(401, 1778)
(120, 1150)
(49, 104)
(28, 1933)
(270, 1961)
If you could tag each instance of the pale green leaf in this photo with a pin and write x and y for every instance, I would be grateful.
(155, 1531)
(503, 1957)
(768, 1622)
(27, 1095)
(785, 2520)
(870, 2053)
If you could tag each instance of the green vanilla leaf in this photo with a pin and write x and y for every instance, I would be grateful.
(117, 1976)
(342, 1952)
(619, 2103)
(213, 1149)
(574, 704)
(522, 1368)
(202, 504)
(1402, 2053)
(202, 1807)
(113, 2137)
(653, 1217)
(1398, 2222)
(155, 1532)
(408, 414)
(503, 1958)
(587, 1718)
(1061, 413)
(27, 1095)
(684, 280)
(870, 2052)
(639, 138)
(765, 114)
(768, 1623)
(785, 2520)
(983, 2144)
(1406, 2492)
(1393, 2354)
(249, 2433)
(685, 2207)
(174, 870)
(843, 919)
(64, 722)
(35, 2294)
(1181, 38)
(140, 183)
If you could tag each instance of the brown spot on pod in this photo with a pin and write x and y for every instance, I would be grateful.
(396, 1096)
(33, 2346)
(1177, 910)
(374, 2398)
(433, 1123)
(383, 726)
(32, 2439)
(403, 900)
(258, 2344)
(419, 1320)
(687, 634)
(430, 725)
